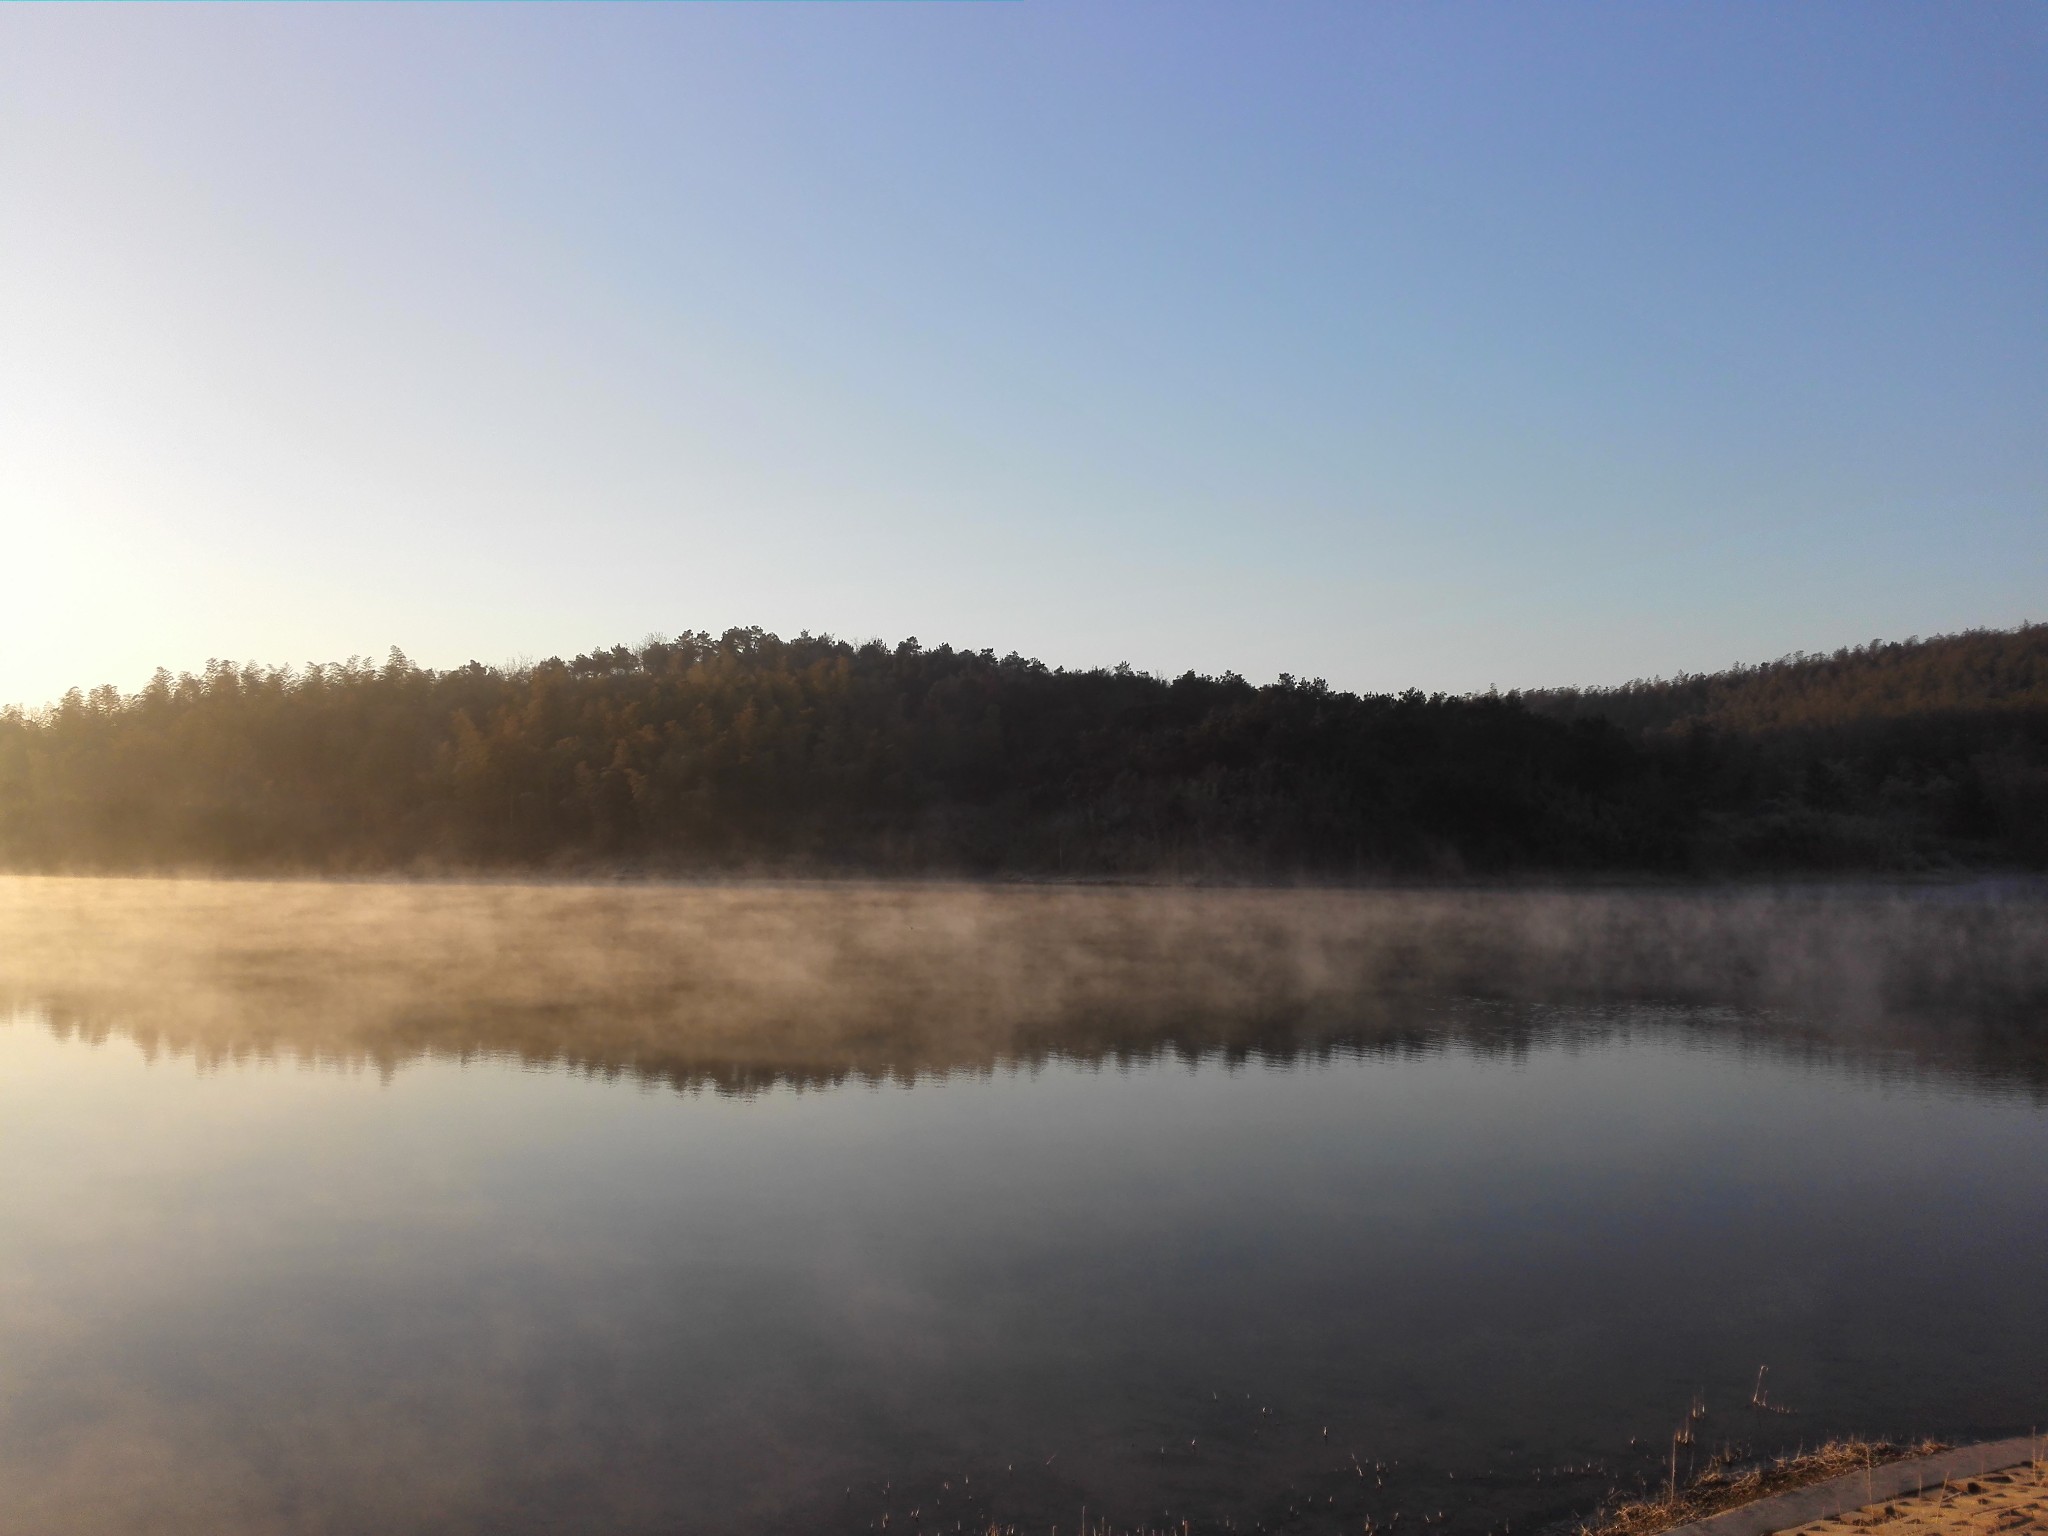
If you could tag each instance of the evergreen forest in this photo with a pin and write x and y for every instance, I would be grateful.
(745, 752)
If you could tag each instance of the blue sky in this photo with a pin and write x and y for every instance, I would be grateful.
(1447, 345)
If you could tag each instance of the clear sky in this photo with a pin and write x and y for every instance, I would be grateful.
(1451, 345)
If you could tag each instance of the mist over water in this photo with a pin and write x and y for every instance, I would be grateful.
(439, 1207)
(739, 985)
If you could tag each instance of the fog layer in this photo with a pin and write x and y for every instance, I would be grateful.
(737, 986)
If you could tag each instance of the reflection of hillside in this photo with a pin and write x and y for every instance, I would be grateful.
(741, 987)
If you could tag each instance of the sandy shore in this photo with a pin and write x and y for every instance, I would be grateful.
(1995, 1486)
(2012, 1502)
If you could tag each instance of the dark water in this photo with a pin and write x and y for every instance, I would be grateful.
(1480, 1269)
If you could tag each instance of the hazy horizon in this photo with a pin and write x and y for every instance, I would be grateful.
(1401, 346)
(525, 662)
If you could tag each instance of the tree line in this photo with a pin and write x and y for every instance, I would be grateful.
(1894, 754)
(745, 751)
(1977, 671)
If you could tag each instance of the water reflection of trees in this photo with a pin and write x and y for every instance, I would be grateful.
(742, 988)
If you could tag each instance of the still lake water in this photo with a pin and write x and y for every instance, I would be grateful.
(1480, 1269)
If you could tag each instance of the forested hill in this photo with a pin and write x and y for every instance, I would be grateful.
(749, 752)
(1980, 670)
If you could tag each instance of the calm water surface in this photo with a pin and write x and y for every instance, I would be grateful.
(1482, 1271)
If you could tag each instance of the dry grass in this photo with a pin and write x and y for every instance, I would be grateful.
(2006, 1502)
(1726, 1485)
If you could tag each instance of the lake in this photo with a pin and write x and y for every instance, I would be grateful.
(459, 1207)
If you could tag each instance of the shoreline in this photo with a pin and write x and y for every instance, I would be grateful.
(1820, 1486)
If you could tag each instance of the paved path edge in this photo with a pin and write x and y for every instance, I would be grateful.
(1839, 1495)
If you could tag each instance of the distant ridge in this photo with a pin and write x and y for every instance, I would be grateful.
(745, 752)
(1979, 669)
